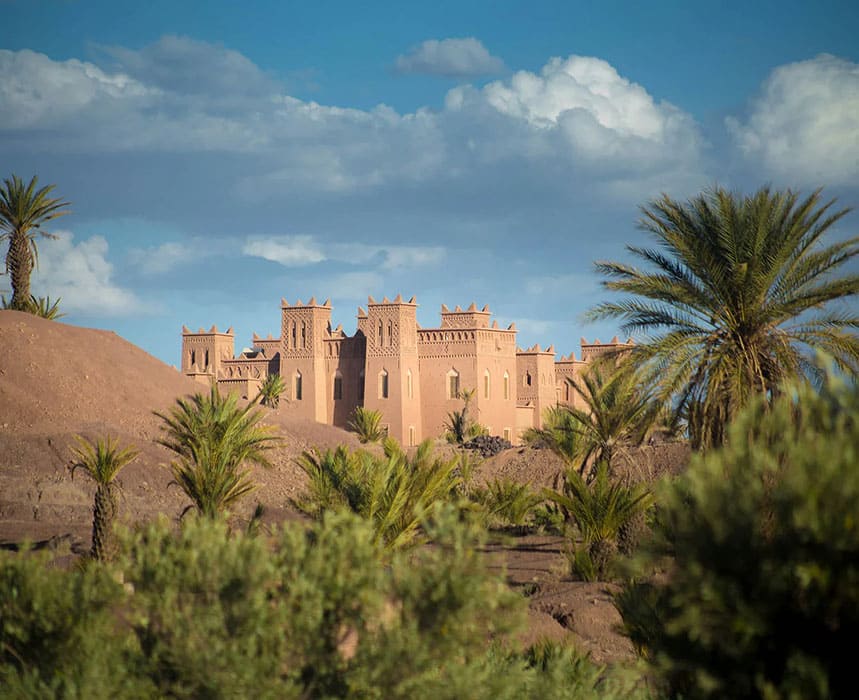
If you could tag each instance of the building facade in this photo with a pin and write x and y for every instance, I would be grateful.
(413, 376)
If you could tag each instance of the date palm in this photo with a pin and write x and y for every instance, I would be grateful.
(737, 296)
(214, 437)
(270, 390)
(102, 461)
(23, 211)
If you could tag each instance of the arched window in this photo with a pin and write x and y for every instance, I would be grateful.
(207, 358)
(527, 379)
(296, 388)
(338, 386)
(390, 333)
(193, 357)
(453, 384)
(383, 384)
(361, 386)
(567, 392)
(486, 384)
(303, 334)
(381, 329)
(506, 386)
(410, 391)
(293, 336)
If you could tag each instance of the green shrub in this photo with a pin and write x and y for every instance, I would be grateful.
(758, 545)
(270, 390)
(507, 502)
(58, 633)
(599, 510)
(393, 492)
(367, 424)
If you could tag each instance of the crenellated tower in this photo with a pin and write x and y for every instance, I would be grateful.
(204, 352)
(304, 328)
(391, 380)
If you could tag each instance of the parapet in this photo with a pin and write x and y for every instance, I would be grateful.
(202, 331)
(468, 318)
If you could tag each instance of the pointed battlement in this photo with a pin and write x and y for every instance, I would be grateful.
(469, 318)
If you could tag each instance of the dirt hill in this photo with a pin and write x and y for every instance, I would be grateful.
(58, 381)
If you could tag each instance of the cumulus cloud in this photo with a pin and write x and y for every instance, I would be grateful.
(451, 58)
(302, 250)
(81, 274)
(804, 126)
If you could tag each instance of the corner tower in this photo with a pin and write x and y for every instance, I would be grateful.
(203, 352)
(304, 328)
(391, 380)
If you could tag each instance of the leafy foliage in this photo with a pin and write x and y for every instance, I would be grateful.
(507, 502)
(394, 493)
(23, 211)
(367, 424)
(214, 437)
(740, 289)
(760, 547)
(38, 306)
(599, 510)
(459, 426)
(271, 390)
(560, 434)
(102, 461)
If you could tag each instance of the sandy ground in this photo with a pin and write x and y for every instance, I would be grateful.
(58, 381)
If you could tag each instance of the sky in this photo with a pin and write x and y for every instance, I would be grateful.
(222, 155)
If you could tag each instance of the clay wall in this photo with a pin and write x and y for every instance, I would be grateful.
(344, 372)
(536, 380)
(205, 350)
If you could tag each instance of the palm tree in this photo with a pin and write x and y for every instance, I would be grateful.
(739, 296)
(394, 493)
(102, 461)
(23, 210)
(367, 424)
(213, 437)
(619, 411)
(270, 390)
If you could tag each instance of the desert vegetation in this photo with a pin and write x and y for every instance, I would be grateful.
(738, 578)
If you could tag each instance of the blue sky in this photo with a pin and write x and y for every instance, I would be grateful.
(222, 155)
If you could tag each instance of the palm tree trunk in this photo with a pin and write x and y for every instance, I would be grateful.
(103, 515)
(19, 263)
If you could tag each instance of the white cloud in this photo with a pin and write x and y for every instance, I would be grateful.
(81, 275)
(298, 251)
(804, 126)
(289, 251)
(452, 58)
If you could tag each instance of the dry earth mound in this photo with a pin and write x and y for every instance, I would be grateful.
(58, 381)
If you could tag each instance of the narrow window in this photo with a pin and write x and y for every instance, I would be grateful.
(390, 333)
(297, 387)
(453, 384)
(527, 379)
(361, 386)
(506, 386)
(409, 387)
(293, 335)
(486, 382)
(338, 387)
(567, 392)
(303, 335)
(381, 328)
(507, 434)
(207, 358)
(411, 436)
(383, 384)
(193, 357)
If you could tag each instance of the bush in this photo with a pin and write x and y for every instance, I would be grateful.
(507, 502)
(394, 492)
(367, 424)
(600, 510)
(759, 548)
